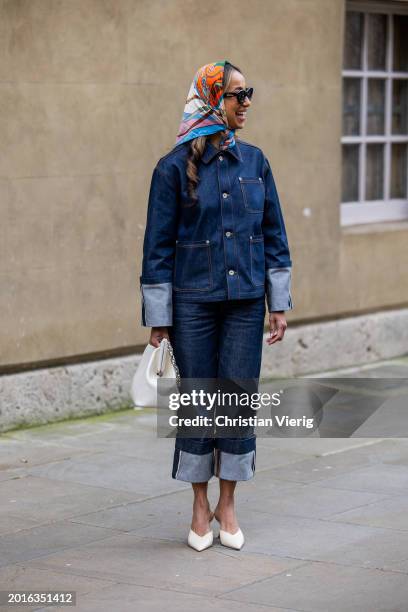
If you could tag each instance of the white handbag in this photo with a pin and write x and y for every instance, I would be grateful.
(155, 363)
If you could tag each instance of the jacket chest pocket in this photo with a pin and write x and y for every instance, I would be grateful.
(192, 266)
(257, 258)
(253, 193)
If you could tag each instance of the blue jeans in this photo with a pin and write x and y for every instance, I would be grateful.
(217, 340)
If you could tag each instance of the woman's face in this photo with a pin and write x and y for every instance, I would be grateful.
(236, 112)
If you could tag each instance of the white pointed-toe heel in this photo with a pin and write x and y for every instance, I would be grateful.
(232, 540)
(200, 542)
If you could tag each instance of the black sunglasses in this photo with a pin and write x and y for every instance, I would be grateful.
(241, 95)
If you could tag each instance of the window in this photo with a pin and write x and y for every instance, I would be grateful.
(375, 113)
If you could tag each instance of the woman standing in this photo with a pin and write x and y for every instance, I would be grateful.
(215, 244)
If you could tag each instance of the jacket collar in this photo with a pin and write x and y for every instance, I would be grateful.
(211, 151)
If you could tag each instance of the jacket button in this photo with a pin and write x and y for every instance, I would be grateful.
(225, 195)
(231, 272)
(220, 157)
(228, 234)
(240, 178)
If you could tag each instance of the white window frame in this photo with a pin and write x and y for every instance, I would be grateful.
(387, 209)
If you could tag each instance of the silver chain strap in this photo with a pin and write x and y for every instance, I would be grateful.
(173, 361)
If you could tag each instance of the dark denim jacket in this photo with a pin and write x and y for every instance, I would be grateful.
(232, 244)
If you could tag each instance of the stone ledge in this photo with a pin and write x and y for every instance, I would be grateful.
(51, 394)
(342, 343)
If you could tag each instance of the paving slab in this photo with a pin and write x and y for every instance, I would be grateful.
(113, 471)
(317, 587)
(388, 479)
(133, 559)
(305, 500)
(23, 577)
(390, 513)
(35, 542)
(11, 524)
(40, 500)
(318, 468)
(325, 540)
(10, 474)
(133, 598)
(23, 453)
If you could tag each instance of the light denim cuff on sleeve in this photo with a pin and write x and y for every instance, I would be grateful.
(278, 295)
(157, 304)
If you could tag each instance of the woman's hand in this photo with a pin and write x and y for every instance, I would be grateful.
(157, 334)
(277, 326)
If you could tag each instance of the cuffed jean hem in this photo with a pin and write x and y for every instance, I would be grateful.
(229, 466)
(192, 467)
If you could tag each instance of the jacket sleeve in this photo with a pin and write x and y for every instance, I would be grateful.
(278, 265)
(158, 250)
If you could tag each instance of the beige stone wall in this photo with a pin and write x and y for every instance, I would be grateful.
(91, 95)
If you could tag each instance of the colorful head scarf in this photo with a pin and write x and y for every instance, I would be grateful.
(204, 112)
